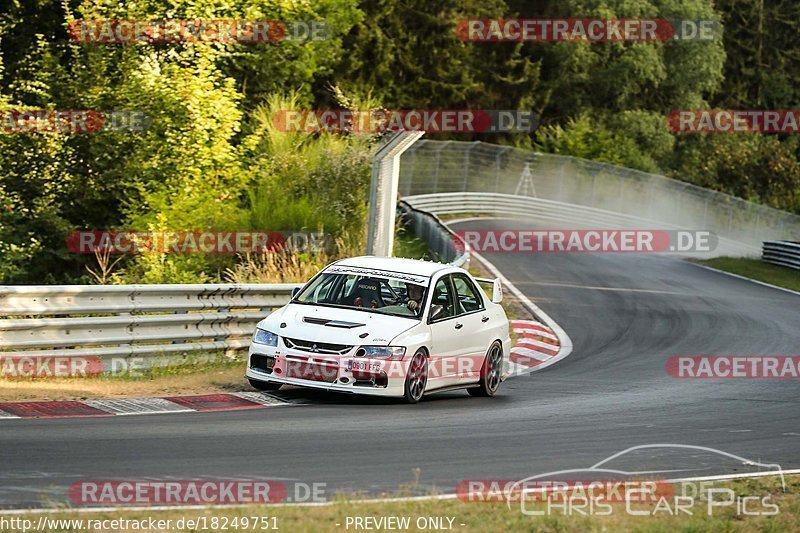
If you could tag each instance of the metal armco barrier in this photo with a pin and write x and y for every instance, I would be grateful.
(550, 214)
(440, 239)
(117, 321)
(435, 167)
(782, 253)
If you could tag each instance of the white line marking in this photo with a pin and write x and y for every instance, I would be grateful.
(764, 283)
(535, 332)
(598, 288)
(528, 323)
(724, 477)
(517, 369)
(531, 353)
(3, 414)
(137, 406)
(261, 398)
(526, 342)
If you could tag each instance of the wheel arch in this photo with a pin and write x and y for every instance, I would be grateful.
(498, 341)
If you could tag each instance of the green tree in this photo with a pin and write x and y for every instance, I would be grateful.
(756, 167)
(763, 59)
(409, 55)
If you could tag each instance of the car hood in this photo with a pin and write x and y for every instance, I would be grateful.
(335, 325)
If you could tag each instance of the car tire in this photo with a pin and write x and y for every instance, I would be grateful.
(491, 373)
(416, 377)
(264, 385)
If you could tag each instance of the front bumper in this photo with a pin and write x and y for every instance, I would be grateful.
(381, 378)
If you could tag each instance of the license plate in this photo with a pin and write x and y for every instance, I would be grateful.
(364, 366)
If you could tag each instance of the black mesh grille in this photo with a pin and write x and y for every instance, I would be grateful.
(316, 347)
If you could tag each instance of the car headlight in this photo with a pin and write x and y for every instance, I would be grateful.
(262, 336)
(389, 352)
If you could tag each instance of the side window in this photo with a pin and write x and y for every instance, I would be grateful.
(468, 296)
(442, 295)
(323, 290)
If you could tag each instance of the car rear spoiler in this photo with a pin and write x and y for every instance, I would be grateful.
(497, 288)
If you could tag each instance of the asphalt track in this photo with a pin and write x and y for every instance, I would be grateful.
(626, 315)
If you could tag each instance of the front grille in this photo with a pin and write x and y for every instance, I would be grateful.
(264, 363)
(313, 371)
(316, 347)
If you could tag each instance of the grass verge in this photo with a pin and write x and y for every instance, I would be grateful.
(764, 496)
(408, 246)
(757, 269)
(217, 376)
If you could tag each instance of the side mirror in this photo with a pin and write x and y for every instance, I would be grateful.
(497, 292)
(436, 312)
(294, 292)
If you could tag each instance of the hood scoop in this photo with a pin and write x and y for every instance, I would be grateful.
(332, 323)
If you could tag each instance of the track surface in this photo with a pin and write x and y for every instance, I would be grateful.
(626, 314)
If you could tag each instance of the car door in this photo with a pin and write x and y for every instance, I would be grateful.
(475, 327)
(448, 342)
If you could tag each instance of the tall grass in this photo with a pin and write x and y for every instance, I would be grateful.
(307, 181)
(289, 267)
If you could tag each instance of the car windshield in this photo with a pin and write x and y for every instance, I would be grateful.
(396, 295)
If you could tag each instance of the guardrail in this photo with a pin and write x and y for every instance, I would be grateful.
(782, 253)
(431, 167)
(439, 238)
(551, 212)
(122, 321)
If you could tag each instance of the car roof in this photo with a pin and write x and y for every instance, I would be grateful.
(396, 264)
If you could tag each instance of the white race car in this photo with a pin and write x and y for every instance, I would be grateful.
(385, 327)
